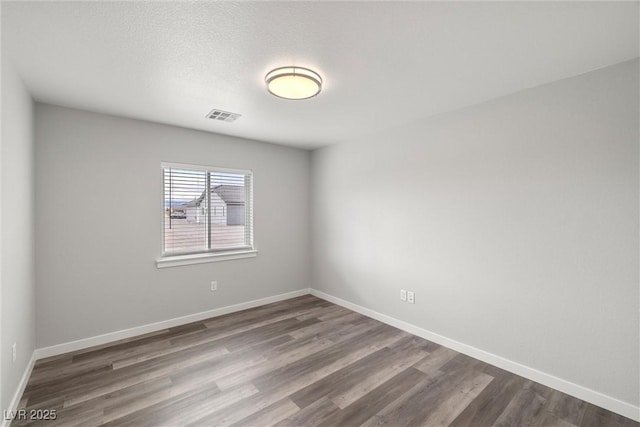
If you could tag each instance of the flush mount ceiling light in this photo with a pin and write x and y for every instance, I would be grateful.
(293, 82)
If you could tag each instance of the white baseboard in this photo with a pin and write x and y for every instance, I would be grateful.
(55, 350)
(614, 405)
(13, 406)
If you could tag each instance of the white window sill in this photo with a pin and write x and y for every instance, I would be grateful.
(180, 260)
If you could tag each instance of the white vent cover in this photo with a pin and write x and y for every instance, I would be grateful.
(223, 116)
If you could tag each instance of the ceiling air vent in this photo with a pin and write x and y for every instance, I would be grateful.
(223, 116)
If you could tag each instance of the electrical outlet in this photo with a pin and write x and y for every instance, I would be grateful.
(214, 285)
(14, 352)
(411, 297)
(403, 295)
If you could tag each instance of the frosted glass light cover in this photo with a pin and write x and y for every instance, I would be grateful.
(293, 83)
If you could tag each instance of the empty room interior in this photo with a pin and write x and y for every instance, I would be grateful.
(320, 213)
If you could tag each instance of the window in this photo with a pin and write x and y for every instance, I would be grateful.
(206, 211)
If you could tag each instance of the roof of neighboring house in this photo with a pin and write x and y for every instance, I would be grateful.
(192, 204)
(230, 194)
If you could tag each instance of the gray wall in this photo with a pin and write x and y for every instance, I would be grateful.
(17, 225)
(515, 222)
(98, 222)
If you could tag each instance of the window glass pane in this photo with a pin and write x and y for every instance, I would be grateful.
(228, 203)
(185, 225)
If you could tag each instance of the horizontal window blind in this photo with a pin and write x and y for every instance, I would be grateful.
(206, 210)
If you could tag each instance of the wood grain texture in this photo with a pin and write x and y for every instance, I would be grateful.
(300, 362)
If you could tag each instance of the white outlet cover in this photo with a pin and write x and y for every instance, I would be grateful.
(403, 295)
(411, 297)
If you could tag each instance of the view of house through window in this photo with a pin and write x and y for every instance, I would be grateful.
(206, 209)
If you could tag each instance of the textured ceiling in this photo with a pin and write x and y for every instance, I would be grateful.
(383, 63)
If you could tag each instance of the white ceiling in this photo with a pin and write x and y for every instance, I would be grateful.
(383, 63)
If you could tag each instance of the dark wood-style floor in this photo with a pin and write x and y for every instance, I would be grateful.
(300, 362)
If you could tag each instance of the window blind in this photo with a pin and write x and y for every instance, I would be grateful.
(206, 209)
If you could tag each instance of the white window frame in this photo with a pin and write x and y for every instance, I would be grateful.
(171, 259)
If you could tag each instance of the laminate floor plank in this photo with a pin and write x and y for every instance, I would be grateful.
(435, 360)
(274, 330)
(140, 353)
(295, 306)
(213, 370)
(240, 410)
(187, 406)
(293, 377)
(217, 331)
(270, 415)
(348, 332)
(299, 362)
(548, 419)
(311, 415)
(377, 399)
(526, 408)
(326, 325)
(396, 363)
(96, 384)
(453, 403)
(416, 404)
(491, 402)
(336, 311)
(319, 311)
(350, 383)
(114, 346)
(126, 400)
(107, 352)
(236, 330)
(566, 408)
(294, 354)
(329, 360)
(135, 398)
(598, 417)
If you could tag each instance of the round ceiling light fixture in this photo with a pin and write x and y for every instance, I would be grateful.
(293, 82)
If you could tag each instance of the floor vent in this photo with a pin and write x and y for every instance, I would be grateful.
(223, 116)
